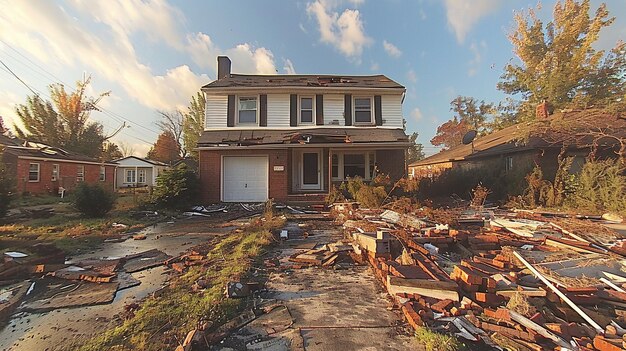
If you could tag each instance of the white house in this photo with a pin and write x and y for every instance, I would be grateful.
(135, 171)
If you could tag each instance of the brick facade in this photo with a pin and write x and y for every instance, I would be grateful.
(68, 172)
(211, 172)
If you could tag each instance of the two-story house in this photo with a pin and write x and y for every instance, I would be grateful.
(289, 137)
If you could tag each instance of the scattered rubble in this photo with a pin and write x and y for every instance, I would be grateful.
(499, 279)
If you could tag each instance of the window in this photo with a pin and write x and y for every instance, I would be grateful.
(306, 110)
(33, 172)
(335, 166)
(353, 165)
(55, 172)
(508, 165)
(130, 176)
(141, 176)
(103, 173)
(363, 110)
(80, 174)
(247, 110)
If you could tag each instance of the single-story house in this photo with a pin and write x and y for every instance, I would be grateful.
(522, 146)
(133, 171)
(291, 137)
(39, 169)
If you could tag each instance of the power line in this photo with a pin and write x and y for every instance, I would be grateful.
(18, 78)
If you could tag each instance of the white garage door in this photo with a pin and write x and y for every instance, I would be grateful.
(245, 178)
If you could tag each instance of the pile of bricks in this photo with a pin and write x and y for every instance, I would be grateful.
(469, 283)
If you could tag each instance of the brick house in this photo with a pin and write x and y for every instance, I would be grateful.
(289, 137)
(41, 169)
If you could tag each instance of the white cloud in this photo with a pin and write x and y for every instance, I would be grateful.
(345, 32)
(391, 49)
(463, 15)
(422, 15)
(357, 2)
(411, 76)
(417, 115)
(8, 103)
(476, 60)
(50, 34)
(288, 68)
(375, 66)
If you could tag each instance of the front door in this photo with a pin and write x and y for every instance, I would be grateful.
(310, 171)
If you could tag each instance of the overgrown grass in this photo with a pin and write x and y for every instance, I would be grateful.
(36, 200)
(434, 341)
(163, 321)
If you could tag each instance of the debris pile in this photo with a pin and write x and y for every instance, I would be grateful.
(507, 280)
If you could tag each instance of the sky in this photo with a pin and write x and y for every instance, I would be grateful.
(154, 55)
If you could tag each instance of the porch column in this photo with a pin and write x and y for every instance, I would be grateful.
(330, 168)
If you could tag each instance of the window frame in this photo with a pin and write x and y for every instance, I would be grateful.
(141, 173)
(312, 97)
(256, 114)
(38, 172)
(56, 172)
(354, 110)
(80, 173)
(133, 178)
(369, 159)
(103, 174)
(508, 163)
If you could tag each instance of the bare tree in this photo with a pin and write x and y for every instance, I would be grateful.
(126, 149)
(172, 122)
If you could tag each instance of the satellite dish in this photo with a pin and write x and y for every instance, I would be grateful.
(469, 137)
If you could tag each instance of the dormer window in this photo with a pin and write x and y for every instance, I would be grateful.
(306, 109)
(248, 110)
(363, 112)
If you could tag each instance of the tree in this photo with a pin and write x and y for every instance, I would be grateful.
(176, 188)
(559, 64)
(165, 149)
(475, 113)
(110, 152)
(450, 133)
(4, 130)
(6, 187)
(64, 121)
(193, 123)
(172, 123)
(126, 149)
(415, 151)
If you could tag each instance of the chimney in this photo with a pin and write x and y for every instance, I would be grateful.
(223, 67)
(541, 111)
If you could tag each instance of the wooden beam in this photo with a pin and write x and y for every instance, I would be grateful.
(595, 325)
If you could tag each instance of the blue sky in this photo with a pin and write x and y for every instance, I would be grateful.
(154, 55)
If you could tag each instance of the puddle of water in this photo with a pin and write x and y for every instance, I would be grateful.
(60, 329)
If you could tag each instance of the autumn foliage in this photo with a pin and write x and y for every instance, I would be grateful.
(450, 133)
(165, 149)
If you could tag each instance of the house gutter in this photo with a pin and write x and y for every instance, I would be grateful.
(384, 145)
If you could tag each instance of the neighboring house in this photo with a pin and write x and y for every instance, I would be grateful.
(289, 137)
(39, 169)
(135, 171)
(520, 147)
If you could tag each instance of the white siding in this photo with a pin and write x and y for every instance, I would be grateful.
(392, 110)
(278, 110)
(216, 111)
(333, 108)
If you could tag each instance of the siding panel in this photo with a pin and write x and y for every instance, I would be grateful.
(277, 110)
(216, 111)
(333, 108)
(392, 111)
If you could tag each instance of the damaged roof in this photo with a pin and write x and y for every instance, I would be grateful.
(339, 135)
(300, 80)
(517, 138)
(50, 153)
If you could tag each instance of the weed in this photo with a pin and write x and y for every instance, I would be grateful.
(434, 341)
(334, 195)
(519, 303)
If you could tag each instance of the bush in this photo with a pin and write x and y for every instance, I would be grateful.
(177, 188)
(370, 196)
(434, 341)
(600, 186)
(93, 200)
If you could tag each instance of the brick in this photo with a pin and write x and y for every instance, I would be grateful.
(442, 305)
(603, 344)
(412, 317)
(466, 275)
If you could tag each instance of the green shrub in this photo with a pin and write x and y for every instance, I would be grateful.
(600, 186)
(6, 188)
(368, 195)
(177, 188)
(434, 341)
(93, 200)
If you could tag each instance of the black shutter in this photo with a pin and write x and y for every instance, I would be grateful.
(319, 109)
(378, 110)
(293, 110)
(347, 109)
(263, 112)
(230, 118)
